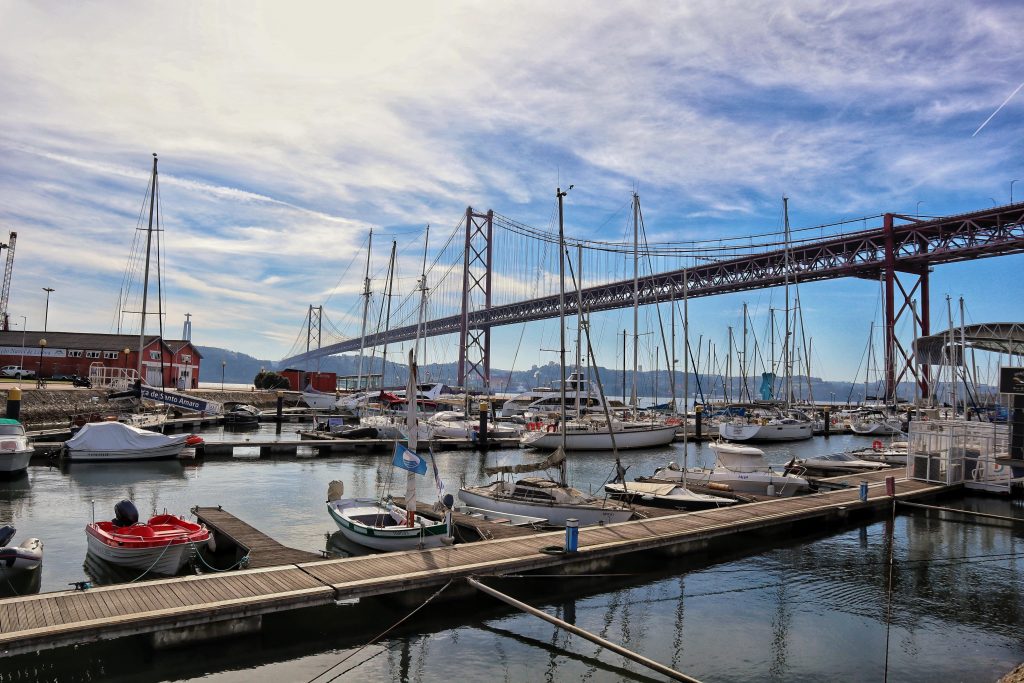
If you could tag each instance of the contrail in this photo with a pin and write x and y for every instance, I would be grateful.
(998, 108)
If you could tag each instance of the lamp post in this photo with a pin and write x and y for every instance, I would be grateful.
(1011, 190)
(223, 364)
(39, 374)
(24, 326)
(46, 313)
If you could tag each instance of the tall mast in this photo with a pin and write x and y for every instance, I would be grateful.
(867, 369)
(387, 315)
(563, 475)
(636, 294)
(579, 321)
(145, 276)
(788, 380)
(743, 364)
(672, 354)
(423, 299)
(686, 372)
(366, 310)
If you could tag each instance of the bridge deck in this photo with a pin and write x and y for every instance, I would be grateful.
(69, 617)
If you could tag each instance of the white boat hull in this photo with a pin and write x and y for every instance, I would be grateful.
(388, 538)
(166, 560)
(645, 437)
(21, 558)
(12, 462)
(171, 450)
(875, 428)
(556, 515)
(783, 485)
(768, 432)
(320, 401)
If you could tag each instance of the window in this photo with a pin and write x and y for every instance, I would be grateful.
(154, 355)
(186, 358)
(74, 354)
(92, 354)
(110, 354)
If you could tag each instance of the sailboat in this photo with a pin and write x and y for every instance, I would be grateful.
(381, 524)
(555, 501)
(590, 434)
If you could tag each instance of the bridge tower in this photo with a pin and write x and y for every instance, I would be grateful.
(475, 342)
(314, 327)
(913, 286)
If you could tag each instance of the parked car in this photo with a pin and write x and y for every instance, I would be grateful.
(16, 371)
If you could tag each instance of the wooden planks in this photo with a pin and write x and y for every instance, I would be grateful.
(68, 617)
(263, 550)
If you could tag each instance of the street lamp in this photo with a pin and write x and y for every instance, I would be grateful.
(46, 314)
(39, 374)
(1011, 190)
(223, 364)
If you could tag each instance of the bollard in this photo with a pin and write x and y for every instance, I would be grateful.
(890, 486)
(14, 403)
(280, 410)
(828, 422)
(482, 439)
(699, 410)
(572, 535)
(863, 492)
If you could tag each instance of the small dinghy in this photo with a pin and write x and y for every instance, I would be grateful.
(160, 546)
(17, 559)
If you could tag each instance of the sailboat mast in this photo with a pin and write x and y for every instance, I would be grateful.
(423, 300)
(411, 429)
(579, 322)
(686, 373)
(636, 294)
(788, 380)
(561, 328)
(145, 276)
(366, 311)
(743, 364)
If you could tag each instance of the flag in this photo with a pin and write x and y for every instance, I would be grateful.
(437, 476)
(407, 460)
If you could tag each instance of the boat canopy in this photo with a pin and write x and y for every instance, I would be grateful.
(551, 461)
(115, 436)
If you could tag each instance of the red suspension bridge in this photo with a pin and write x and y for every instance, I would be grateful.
(900, 253)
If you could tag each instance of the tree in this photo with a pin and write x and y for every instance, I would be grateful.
(270, 380)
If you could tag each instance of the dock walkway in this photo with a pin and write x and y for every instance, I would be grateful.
(263, 551)
(57, 619)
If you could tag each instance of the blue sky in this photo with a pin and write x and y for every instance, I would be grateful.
(287, 131)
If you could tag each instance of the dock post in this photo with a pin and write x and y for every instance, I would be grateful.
(700, 413)
(280, 410)
(14, 403)
(828, 421)
(482, 435)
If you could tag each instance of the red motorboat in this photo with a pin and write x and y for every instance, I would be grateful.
(162, 545)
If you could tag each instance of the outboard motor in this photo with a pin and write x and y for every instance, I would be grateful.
(125, 514)
(6, 534)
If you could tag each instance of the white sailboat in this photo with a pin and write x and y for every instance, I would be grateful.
(555, 501)
(740, 468)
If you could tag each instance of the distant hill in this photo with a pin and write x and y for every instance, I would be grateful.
(240, 368)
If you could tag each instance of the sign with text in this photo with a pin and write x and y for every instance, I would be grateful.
(1011, 380)
(177, 400)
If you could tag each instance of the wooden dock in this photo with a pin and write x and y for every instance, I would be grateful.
(262, 550)
(195, 603)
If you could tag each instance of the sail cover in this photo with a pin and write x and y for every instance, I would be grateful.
(551, 461)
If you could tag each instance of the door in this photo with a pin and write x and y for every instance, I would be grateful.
(153, 376)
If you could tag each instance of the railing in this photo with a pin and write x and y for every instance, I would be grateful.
(119, 379)
(957, 451)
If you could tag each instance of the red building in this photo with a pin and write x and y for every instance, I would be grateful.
(300, 379)
(50, 354)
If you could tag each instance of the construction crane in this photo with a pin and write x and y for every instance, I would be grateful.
(5, 291)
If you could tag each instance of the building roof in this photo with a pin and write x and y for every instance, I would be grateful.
(86, 341)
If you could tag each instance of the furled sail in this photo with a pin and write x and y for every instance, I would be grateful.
(552, 460)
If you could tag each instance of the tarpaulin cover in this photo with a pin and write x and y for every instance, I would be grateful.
(114, 436)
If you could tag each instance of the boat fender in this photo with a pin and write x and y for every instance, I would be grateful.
(193, 440)
(552, 428)
(876, 445)
(6, 534)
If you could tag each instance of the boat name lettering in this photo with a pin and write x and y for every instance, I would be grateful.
(174, 399)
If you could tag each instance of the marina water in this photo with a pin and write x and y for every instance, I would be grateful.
(810, 607)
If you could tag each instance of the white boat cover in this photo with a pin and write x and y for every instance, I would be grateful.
(115, 436)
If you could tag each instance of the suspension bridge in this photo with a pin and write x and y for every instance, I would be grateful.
(494, 271)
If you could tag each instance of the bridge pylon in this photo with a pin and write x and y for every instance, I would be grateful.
(899, 358)
(475, 341)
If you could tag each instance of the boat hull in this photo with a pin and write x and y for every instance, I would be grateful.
(768, 432)
(556, 515)
(21, 558)
(602, 441)
(14, 462)
(393, 537)
(166, 560)
(740, 482)
(172, 450)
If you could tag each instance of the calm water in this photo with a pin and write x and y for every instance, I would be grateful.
(808, 608)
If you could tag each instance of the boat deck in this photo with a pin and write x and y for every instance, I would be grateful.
(56, 619)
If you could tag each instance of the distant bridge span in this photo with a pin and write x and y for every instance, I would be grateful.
(910, 248)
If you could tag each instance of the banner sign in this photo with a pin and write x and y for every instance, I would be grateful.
(32, 351)
(177, 400)
(1011, 380)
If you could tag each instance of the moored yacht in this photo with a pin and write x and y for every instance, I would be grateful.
(742, 469)
(765, 422)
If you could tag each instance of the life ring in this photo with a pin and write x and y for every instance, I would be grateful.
(876, 445)
(552, 428)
